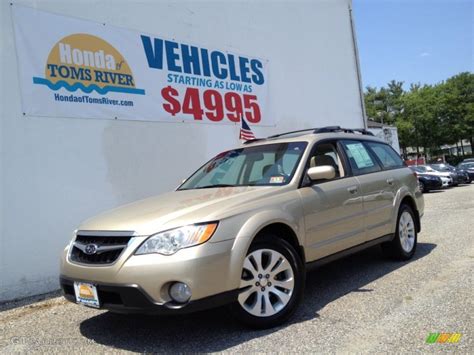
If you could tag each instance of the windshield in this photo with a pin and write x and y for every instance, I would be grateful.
(270, 164)
(417, 169)
(466, 166)
(441, 167)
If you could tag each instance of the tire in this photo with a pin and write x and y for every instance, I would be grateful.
(403, 245)
(272, 287)
(422, 186)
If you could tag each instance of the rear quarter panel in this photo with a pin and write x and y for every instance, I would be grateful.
(408, 187)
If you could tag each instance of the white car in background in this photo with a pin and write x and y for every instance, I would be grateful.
(446, 177)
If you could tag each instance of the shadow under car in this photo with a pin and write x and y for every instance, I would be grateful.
(215, 330)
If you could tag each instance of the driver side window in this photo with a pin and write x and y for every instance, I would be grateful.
(326, 154)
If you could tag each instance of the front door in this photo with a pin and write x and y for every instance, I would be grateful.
(332, 208)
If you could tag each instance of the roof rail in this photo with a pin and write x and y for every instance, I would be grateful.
(291, 132)
(254, 140)
(327, 129)
(330, 129)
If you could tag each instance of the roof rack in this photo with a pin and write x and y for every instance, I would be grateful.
(254, 140)
(279, 135)
(327, 129)
(331, 129)
(291, 132)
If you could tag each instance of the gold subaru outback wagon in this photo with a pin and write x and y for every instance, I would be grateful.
(245, 226)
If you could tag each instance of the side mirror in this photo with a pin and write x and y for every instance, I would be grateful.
(324, 172)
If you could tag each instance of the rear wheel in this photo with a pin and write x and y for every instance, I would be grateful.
(272, 283)
(403, 245)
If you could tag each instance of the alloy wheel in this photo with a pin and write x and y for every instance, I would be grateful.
(406, 231)
(267, 283)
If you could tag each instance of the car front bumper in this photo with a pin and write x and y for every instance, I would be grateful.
(140, 283)
(432, 184)
(446, 182)
(133, 299)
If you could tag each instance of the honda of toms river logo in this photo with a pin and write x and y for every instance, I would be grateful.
(87, 63)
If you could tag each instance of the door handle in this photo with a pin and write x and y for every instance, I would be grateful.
(390, 181)
(352, 189)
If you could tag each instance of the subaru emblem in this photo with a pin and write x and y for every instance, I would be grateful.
(90, 249)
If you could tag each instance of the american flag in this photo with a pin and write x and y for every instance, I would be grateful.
(246, 133)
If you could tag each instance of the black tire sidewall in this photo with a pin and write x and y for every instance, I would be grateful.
(273, 242)
(422, 186)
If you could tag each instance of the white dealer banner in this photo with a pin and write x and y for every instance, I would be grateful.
(78, 68)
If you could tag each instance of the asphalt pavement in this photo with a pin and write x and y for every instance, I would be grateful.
(360, 304)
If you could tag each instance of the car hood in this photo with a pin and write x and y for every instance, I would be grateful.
(177, 208)
(428, 175)
(438, 173)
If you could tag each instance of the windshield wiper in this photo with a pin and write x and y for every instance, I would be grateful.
(211, 186)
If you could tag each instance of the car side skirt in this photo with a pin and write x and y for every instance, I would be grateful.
(347, 252)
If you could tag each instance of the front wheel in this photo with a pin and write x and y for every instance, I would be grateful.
(422, 187)
(272, 283)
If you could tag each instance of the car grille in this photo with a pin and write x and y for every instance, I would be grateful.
(102, 250)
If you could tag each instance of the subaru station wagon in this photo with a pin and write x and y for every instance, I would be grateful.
(244, 228)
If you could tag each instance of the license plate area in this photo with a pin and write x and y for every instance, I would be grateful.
(86, 294)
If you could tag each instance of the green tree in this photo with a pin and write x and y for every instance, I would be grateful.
(384, 105)
(426, 116)
(457, 108)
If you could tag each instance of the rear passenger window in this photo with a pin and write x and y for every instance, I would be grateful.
(359, 158)
(387, 156)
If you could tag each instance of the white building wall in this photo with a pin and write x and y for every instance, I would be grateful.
(389, 134)
(55, 172)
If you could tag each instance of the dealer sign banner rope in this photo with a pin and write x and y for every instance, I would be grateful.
(84, 69)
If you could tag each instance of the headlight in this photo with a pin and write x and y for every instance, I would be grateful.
(169, 242)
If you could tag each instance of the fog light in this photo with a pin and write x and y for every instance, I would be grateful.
(180, 292)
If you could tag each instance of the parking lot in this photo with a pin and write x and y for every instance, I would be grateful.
(363, 303)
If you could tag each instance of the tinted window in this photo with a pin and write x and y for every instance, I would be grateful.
(359, 158)
(387, 156)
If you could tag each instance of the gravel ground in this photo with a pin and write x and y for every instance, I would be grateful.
(363, 303)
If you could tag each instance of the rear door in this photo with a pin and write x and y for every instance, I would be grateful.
(378, 187)
(393, 175)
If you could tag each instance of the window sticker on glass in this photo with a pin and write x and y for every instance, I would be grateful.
(360, 155)
(277, 179)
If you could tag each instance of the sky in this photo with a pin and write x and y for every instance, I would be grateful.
(415, 41)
